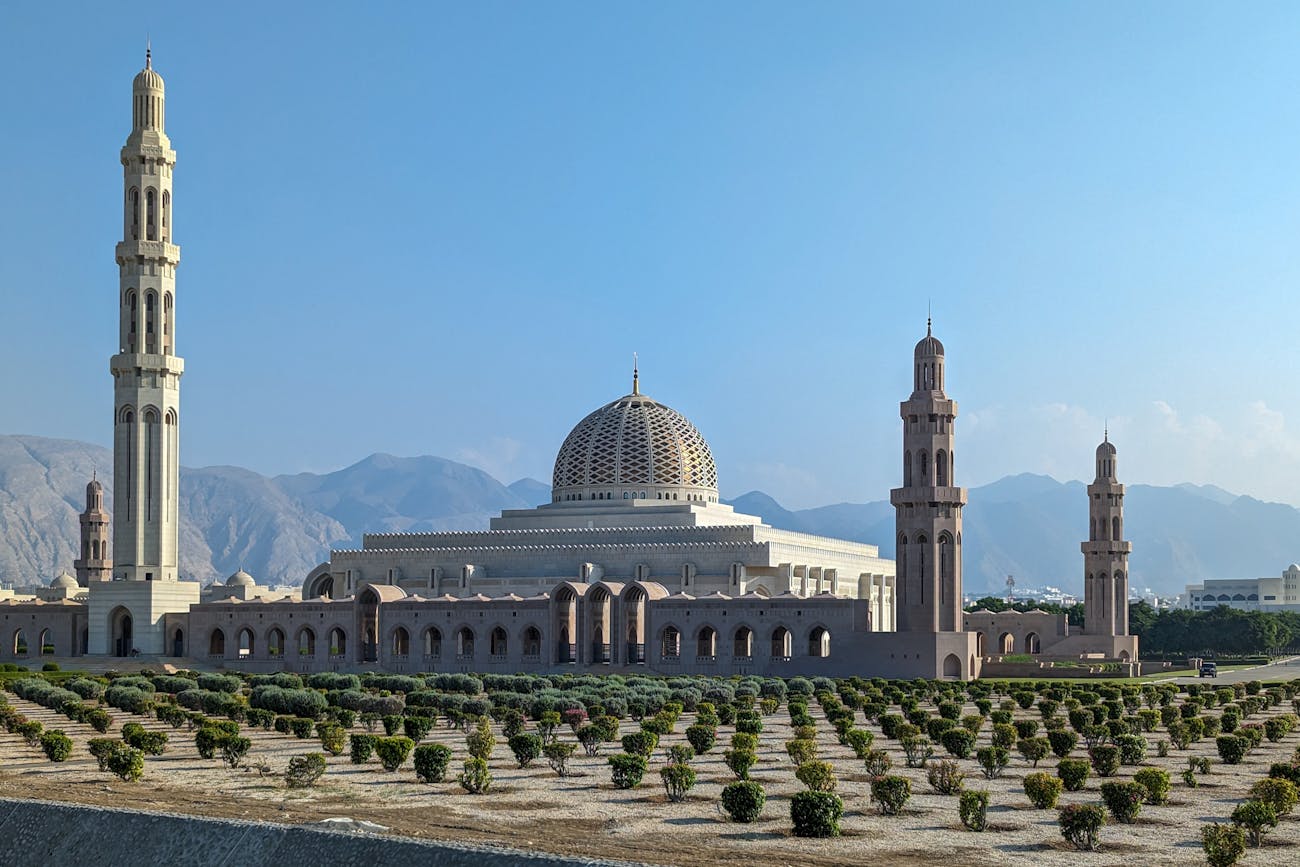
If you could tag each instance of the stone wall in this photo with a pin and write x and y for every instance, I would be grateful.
(44, 832)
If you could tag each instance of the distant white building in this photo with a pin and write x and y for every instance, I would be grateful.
(1247, 594)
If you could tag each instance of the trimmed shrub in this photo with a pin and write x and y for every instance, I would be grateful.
(1073, 773)
(641, 743)
(1062, 742)
(680, 754)
(701, 738)
(1004, 735)
(333, 738)
(127, 763)
(362, 747)
(993, 760)
(740, 761)
(1105, 760)
(743, 800)
(1223, 844)
(416, 727)
(56, 745)
(1124, 800)
(233, 750)
(558, 755)
(431, 762)
(207, 741)
(1081, 824)
(891, 793)
(860, 741)
(475, 777)
(1156, 782)
(1232, 749)
(393, 751)
(816, 814)
(302, 727)
(1255, 818)
(1132, 749)
(678, 780)
(958, 742)
(973, 808)
(1281, 795)
(526, 748)
(877, 763)
(917, 750)
(945, 777)
(1034, 749)
(627, 769)
(801, 750)
(817, 776)
(304, 770)
(1043, 790)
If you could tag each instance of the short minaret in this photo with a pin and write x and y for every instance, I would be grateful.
(95, 563)
(146, 371)
(929, 505)
(1105, 554)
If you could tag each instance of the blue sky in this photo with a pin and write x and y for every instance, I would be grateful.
(444, 229)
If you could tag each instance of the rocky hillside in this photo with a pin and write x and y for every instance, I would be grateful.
(279, 528)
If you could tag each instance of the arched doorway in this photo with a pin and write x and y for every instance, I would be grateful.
(782, 643)
(819, 642)
(275, 643)
(20, 643)
(465, 644)
(566, 625)
(246, 643)
(498, 644)
(1007, 642)
(1031, 643)
(432, 644)
(178, 643)
(119, 627)
(706, 643)
(47, 642)
(743, 643)
(338, 643)
(217, 643)
(980, 645)
(634, 621)
(952, 666)
(532, 644)
(671, 645)
(401, 643)
(306, 642)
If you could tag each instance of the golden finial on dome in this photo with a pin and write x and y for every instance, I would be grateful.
(636, 376)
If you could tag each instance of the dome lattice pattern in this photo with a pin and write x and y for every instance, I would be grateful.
(635, 441)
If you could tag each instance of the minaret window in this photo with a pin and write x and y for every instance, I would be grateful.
(151, 214)
(923, 464)
(149, 334)
(907, 469)
(133, 202)
(166, 212)
(1115, 528)
(941, 468)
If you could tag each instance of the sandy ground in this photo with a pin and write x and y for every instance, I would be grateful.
(585, 815)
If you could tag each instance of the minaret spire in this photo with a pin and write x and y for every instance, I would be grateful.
(636, 376)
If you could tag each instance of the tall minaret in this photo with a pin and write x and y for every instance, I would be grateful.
(1105, 554)
(95, 563)
(928, 507)
(146, 371)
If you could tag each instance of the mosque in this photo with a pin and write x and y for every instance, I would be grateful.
(634, 565)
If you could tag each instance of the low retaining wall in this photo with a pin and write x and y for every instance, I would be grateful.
(45, 832)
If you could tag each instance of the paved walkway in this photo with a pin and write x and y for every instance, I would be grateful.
(1281, 669)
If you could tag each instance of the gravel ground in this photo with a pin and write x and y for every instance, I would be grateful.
(585, 815)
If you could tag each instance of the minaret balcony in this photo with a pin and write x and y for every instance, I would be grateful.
(918, 495)
(128, 362)
(127, 251)
(1106, 548)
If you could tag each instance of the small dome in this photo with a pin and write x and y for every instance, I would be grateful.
(929, 345)
(1293, 568)
(1106, 449)
(64, 582)
(240, 579)
(93, 488)
(147, 78)
(638, 445)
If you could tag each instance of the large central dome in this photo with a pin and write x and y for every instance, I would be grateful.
(635, 448)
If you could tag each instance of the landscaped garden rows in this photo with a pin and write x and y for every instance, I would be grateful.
(882, 746)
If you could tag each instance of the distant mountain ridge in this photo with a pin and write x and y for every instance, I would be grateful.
(278, 528)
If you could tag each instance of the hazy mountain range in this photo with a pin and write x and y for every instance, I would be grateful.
(279, 528)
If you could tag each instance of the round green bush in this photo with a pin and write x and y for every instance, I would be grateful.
(958, 742)
(1223, 844)
(56, 745)
(1279, 794)
(127, 763)
(1081, 825)
(743, 800)
(1043, 790)
(627, 769)
(1232, 749)
(1124, 800)
(1255, 818)
(304, 770)
(362, 748)
(1062, 742)
(393, 751)
(641, 743)
(1105, 759)
(678, 780)
(817, 776)
(740, 761)
(1073, 773)
(526, 747)
(891, 793)
(701, 738)
(431, 762)
(1156, 782)
(816, 814)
